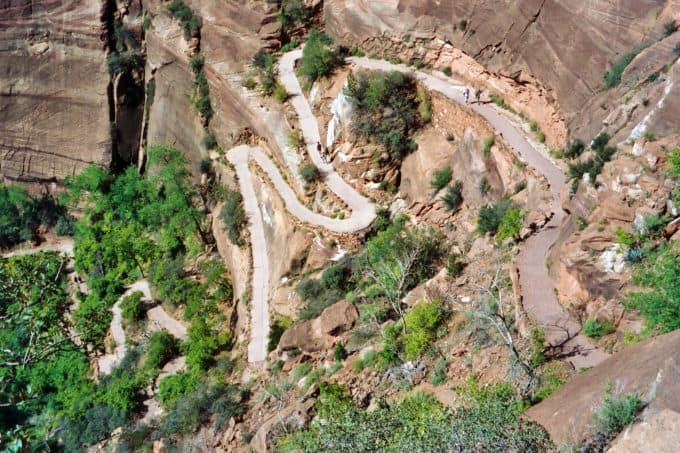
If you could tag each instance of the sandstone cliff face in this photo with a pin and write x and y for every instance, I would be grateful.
(54, 116)
(563, 48)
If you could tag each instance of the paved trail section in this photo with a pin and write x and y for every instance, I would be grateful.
(536, 285)
(362, 210)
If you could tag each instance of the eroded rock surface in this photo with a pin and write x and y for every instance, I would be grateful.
(54, 117)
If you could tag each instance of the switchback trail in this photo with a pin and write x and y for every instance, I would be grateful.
(536, 285)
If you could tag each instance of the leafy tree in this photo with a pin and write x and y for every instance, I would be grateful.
(399, 258)
(319, 58)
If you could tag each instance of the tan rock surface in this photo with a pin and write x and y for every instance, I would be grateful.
(539, 44)
(649, 368)
(54, 116)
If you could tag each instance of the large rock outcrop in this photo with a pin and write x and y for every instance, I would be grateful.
(54, 115)
(651, 369)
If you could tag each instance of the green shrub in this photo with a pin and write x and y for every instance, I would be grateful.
(649, 136)
(65, 226)
(669, 28)
(676, 48)
(175, 386)
(616, 412)
(574, 149)
(447, 71)
(441, 178)
(121, 62)
(421, 324)
(659, 304)
(339, 352)
(132, 307)
(233, 217)
(597, 328)
(613, 77)
(510, 225)
(489, 421)
(454, 265)
(488, 143)
(491, 216)
(191, 23)
(309, 173)
(162, 347)
(196, 63)
(484, 186)
(292, 44)
(280, 93)
(437, 375)
(462, 25)
(263, 59)
(293, 13)
(424, 104)
(209, 140)
(454, 196)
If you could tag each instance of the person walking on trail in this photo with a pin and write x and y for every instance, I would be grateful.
(466, 94)
(477, 92)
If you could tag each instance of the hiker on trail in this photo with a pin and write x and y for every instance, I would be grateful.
(477, 92)
(466, 94)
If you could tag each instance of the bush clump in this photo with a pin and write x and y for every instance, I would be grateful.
(597, 328)
(387, 109)
(613, 77)
(132, 307)
(421, 324)
(441, 178)
(616, 412)
(491, 216)
(162, 347)
(488, 143)
(191, 23)
(453, 197)
(309, 173)
(233, 217)
(510, 225)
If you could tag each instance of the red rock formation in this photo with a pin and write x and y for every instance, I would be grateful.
(54, 116)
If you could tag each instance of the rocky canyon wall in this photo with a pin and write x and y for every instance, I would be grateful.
(562, 47)
(54, 116)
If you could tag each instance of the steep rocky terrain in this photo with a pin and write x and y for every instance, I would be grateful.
(532, 302)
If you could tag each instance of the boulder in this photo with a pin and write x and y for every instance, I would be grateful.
(287, 420)
(337, 318)
(301, 336)
(650, 368)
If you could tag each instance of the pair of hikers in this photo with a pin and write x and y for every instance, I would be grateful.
(476, 93)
